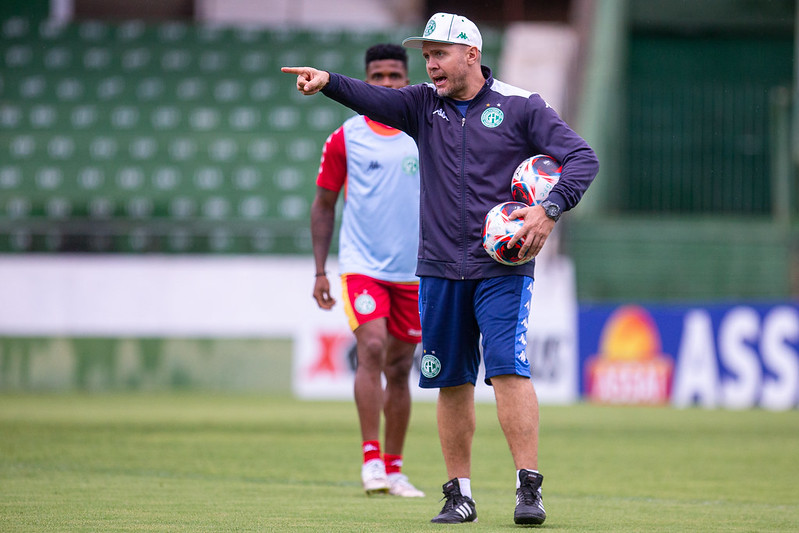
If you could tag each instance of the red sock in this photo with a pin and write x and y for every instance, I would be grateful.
(371, 450)
(393, 463)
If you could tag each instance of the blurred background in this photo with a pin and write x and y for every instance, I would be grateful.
(157, 169)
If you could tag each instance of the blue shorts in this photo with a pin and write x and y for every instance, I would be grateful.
(455, 312)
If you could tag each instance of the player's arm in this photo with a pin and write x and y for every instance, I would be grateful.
(332, 174)
(323, 210)
(550, 135)
(393, 107)
(553, 137)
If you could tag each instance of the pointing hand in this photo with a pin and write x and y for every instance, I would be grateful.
(309, 80)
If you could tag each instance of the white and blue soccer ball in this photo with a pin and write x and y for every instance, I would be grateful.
(534, 178)
(498, 229)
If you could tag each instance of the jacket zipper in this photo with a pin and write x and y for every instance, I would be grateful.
(464, 224)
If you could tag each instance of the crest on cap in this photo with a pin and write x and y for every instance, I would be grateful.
(431, 27)
(448, 28)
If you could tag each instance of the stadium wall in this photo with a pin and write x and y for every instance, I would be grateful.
(227, 323)
(144, 322)
(249, 324)
(695, 199)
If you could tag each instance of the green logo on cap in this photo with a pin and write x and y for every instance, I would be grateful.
(462, 36)
(431, 27)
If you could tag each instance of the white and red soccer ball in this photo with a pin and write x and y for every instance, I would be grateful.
(534, 178)
(498, 229)
(530, 185)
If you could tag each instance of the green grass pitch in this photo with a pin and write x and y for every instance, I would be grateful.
(206, 462)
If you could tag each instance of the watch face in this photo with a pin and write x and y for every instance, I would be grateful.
(553, 211)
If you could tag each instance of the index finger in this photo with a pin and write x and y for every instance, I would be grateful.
(519, 213)
(520, 235)
(292, 70)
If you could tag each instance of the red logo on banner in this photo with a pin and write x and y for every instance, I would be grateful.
(328, 360)
(629, 368)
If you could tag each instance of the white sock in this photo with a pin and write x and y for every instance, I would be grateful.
(466, 486)
(518, 482)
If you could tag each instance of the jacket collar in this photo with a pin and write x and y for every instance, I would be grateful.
(489, 81)
(487, 75)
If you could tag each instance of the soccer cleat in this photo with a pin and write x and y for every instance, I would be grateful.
(398, 485)
(373, 475)
(458, 508)
(529, 503)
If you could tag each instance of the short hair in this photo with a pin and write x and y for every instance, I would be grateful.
(386, 51)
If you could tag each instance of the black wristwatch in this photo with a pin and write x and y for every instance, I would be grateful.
(552, 209)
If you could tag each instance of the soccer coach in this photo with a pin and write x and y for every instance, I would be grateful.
(472, 131)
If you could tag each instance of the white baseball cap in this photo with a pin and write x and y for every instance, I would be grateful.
(448, 28)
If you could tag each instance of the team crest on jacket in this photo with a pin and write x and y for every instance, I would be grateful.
(492, 117)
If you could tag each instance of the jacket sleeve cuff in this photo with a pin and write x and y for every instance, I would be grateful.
(332, 85)
(556, 198)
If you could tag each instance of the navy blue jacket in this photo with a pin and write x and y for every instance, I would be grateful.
(466, 163)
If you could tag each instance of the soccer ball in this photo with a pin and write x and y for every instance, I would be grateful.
(498, 229)
(534, 178)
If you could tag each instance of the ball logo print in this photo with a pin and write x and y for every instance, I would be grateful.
(430, 366)
(534, 178)
(499, 229)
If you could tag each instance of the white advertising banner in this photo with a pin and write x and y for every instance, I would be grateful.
(249, 297)
(159, 296)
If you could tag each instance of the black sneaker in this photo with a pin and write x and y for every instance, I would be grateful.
(529, 504)
(458, 508)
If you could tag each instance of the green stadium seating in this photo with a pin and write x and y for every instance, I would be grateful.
(167, 138)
